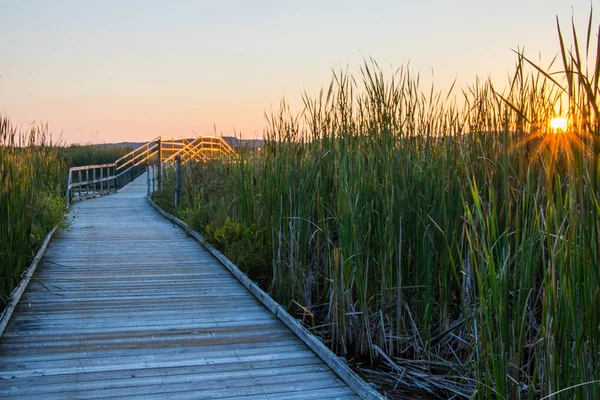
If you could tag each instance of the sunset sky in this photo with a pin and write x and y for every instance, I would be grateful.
(109, 71)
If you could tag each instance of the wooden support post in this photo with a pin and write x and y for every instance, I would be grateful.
(153, 178)
(160, 150)
(177, 180)
(162, 174)
(148, 178)
(158, 178)
(69, 187)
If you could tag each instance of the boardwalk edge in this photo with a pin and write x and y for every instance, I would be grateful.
(20, 289)
(362, 388)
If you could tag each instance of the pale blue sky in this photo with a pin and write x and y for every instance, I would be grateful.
(131, 70)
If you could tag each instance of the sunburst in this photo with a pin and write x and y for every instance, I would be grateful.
(555, 139)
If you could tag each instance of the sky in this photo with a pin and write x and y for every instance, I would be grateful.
(130, 70)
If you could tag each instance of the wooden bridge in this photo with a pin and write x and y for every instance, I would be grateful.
(92, 180)
(125, 304)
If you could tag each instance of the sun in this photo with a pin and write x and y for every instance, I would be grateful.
(558, 124)
(558, 140)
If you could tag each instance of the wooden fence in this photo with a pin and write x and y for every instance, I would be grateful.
(91, 181)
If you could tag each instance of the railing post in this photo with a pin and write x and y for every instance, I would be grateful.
(79, 186)
(177, 180)
(148, 178)
(162, 173)
(153, 178)
(159, 150)
(114, 178)
(69, 187)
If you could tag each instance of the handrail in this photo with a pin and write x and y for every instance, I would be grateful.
(92, 166)
(149, 151)
(197, 149)
(156, 146)
(128, 154)
(184, 151)
(99, 179)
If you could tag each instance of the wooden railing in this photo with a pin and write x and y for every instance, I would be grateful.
(161, 152)
(201, 149)
(91, 181)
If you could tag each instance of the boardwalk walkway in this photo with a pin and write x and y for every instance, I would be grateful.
(124, 304)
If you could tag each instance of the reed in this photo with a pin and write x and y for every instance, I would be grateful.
(31, 202)
(76, 155)
(446, 244)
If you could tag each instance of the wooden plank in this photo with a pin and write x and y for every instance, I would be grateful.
(336, 393)
(148, 373)
(129, 363)
(132, 379)
(150, 352)
(170, 337)
(36, 331)
(124, 303)
(213, 388)
(142, 342)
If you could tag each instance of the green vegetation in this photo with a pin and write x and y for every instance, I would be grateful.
(444, 245)
(31, 201)
(32, 185)
(77, 155)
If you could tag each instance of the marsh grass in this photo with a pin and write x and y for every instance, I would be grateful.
(76, 155)
(31, 202)
(445, 245)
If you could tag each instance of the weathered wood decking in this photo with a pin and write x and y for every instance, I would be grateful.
(124, 304)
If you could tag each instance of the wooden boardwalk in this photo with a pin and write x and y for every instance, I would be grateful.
(124, 304)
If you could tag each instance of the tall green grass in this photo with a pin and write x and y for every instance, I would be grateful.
(442, 244)
(76, 155)
(31, 201)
